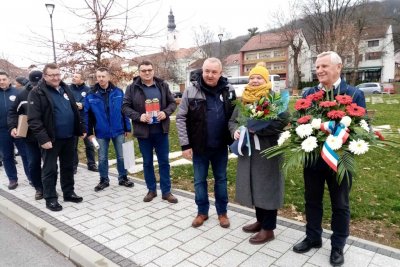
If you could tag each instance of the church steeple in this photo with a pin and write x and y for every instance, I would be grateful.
(171, 21)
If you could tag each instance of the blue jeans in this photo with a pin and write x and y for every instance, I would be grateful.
(219, 160)
(103, 157)
(159, 142)
(7, 148)
(35, 164)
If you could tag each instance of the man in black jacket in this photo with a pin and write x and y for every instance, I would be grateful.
(151, 127)
(202, 122)
(54, 119)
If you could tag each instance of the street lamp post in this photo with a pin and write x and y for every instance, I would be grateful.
(220, 35)
(50, 9)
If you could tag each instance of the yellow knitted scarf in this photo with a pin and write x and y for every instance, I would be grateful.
(254, 93)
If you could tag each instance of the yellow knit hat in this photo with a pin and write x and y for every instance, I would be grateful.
(260, 71)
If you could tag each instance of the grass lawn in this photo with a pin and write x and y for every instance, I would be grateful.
(375, 195)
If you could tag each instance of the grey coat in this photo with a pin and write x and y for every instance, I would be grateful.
(259, 181)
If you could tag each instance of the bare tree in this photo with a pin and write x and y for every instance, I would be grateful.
(204, 38)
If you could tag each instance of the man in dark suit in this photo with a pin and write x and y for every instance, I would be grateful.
(54, 119)
(328, 67)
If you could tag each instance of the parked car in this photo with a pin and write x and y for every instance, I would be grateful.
(388, 88)
(370, 88)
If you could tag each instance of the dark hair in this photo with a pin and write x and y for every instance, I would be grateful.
(103, 69)
(52, 66)
(146, 63)
(2, 72)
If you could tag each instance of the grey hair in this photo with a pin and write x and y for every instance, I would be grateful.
(335, 58)
(213, 60)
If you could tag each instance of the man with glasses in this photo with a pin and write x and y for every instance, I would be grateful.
(105, 121)
(149, 103)
(54, 119)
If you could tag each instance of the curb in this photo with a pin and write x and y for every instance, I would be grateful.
(71, 248)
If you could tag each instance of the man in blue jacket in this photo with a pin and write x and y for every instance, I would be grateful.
(8, 95)
(328, 67)
(79, 90)
(105, 121)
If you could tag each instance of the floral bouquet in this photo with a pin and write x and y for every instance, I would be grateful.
(329, 127)
(256, 116)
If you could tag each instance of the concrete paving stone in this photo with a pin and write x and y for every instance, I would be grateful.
(101, 205)
(279, 245)
(357, 250)
(77, 213)
(233, 238)
(97, 221)
(121, 198)
(383, 261)
(247, 248)
(60, 241)
(119, 213)
(258, 259)
(215, 233)
(321, 258)
(231, 258)
(195, 245)
(239, 233)
(136, 214)
(126, 263)
(121, 241)
(117, 232)
(173, 217)
(79, 220)
(98, 213)
(117, 207)
(270, 252)
(187, 234)
(161, 213)
(87, 257)
(142, 231)
(220, 247)
(237, 222)
(140, 222)
(168, 244)
(292, 234)
(291, 259)
(202, 259)
(100, 239)
(305, 265)
(172, 258)
(142, 244)
(165, 232)
(161, 205)
(151, 264)
(184, 223)
(99, 229)
(160, 223)
(186, 263)
(352, 258)
(100, 198)
(184, 213)
(125, 252)
(182, 204)
(147, 255)
(119, 221)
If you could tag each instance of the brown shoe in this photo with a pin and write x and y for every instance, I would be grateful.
(149, 197)
(39, 195)
(12, 185)
(170, 198)
(199, 220)
(252, 228)
(224, 221)
(262, 237)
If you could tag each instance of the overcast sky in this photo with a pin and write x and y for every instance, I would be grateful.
(22, 20)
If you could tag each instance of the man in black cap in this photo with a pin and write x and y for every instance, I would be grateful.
(20, 82)
(20, 107)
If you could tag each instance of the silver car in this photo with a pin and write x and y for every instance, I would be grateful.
(370, 88)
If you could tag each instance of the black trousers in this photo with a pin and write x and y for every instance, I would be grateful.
(89, 149)
(34, 163)
(314, 184)
(63, 149)
(267, 218)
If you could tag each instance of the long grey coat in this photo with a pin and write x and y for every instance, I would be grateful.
(259, 181)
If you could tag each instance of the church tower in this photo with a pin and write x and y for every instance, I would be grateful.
(172, 36)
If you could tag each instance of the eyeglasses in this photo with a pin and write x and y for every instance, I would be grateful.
(53, 75)
(144, 71)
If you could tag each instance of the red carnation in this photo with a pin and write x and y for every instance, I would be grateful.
(355, 111)
(336, 114)
(380, 136)
(316, 96)
(258, 108)
(266, 111)
(302, 104)
(304, 119)
(327, 104)
(344, 99)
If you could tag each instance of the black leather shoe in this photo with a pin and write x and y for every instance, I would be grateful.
(336, 258)
(73, 198)
(93, 168)
(53, 205)
(306, 245)
(126, 182)
(101, 186)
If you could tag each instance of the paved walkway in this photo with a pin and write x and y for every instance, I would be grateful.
(116, 228)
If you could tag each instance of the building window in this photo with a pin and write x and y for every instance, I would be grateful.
(265, 54)
(248, 68)
(279, 66)
(251, 56)
(373, 55)
(279, 53)
(373, 43)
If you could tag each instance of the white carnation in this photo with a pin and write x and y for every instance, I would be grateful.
(309, 144)
(364, 125)
(316, 123)
(283, 137)
(358, 147)
(304, 130)
(346, 120)
(334, 142)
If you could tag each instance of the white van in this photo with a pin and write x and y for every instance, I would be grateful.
(240, 82)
